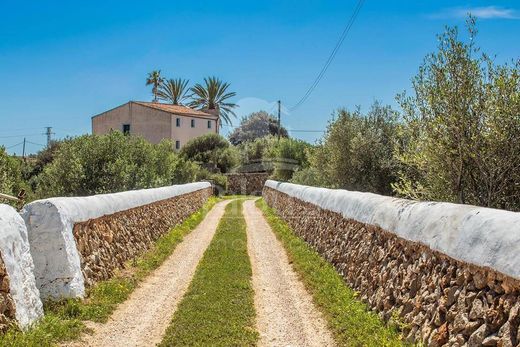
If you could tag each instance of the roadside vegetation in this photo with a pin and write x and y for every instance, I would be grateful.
(63, 321)
(456, 139)
(218, 308)
(462, 113)
(348, 318)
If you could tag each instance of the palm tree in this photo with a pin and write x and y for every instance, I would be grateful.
(173, 91)
(154, 78)
(212, 96)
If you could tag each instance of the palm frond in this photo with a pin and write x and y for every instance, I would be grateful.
(213, 95)
(154, 78)
(173, 91)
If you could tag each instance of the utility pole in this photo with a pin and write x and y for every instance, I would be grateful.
(279, 106)
(49, 133)
(23, 150)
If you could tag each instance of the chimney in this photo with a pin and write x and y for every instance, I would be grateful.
(213, 111)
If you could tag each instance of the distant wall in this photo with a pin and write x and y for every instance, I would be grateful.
(450, 272)
(246, 183)
(78, 241)
(19, 297)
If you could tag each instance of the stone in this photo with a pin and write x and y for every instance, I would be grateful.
(477, 337)
(439, 337)
(451, 295)
(490, 340)
(432, 293)
(477, 310)
(134, 219)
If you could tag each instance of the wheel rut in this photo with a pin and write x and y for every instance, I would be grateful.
(286, 315)
(143, 318)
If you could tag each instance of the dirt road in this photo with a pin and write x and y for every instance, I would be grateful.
(143, 318)
(286, 315)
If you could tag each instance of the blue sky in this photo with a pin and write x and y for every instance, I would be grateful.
(62, 61)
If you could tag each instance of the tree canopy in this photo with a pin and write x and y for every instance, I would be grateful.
(461, 137)
(256, 125)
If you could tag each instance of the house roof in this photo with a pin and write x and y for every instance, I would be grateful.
(176, 109)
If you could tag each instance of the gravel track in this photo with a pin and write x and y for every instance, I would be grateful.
(286, 315)
(143, 318)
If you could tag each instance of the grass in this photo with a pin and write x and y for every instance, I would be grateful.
(63, 320)
(237, 196)
(218, 308)
(349, 319)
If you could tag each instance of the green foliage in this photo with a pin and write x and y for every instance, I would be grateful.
(461, 137)
(356, 152)
(211, 150)
(10, 173)
(256, 125)
(214, 95)
(283, 157)
(218, 308)
(93, 164)
(49, 331)
(287, 156)
(36, 163)
(63, 320)
(154, 79)
(350, 320)
(173, 91)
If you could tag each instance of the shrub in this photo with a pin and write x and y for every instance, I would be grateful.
(356, 152)
(211, 151)
(287, 156)
(461, 137)
(10, 173)
(93, 164)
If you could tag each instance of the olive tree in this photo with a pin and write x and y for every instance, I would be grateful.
(356, 152)
(460, 140)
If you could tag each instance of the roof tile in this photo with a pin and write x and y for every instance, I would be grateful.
(176, 109)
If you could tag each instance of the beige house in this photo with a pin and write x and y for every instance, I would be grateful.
(155, 121)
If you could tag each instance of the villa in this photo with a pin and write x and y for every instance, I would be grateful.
(157, 121)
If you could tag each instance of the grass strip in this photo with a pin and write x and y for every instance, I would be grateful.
(348, 318)
(63, 320)
(218, 308)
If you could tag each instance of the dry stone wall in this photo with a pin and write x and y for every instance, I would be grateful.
(106, 243)
(444, 300)
(19, 297)
(246, 183)
(77, 241)
(7, 309)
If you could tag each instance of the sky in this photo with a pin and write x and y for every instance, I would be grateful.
(61, 62)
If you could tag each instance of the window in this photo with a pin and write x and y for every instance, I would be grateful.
(178, 122)
(193, 123)
(177, 144)
(126, 129)
(209, 124)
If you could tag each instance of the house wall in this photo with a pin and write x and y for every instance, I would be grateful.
(152, 124)
(111, 120)
(185, 132)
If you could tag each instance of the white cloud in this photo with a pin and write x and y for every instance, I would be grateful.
(487, 12)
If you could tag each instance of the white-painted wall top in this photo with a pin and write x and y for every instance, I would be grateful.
(14, 249)
(480, 236)
(50, 223)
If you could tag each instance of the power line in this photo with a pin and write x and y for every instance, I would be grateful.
(14, 136)
(18, 144)
(351, 21)
(34, 143)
